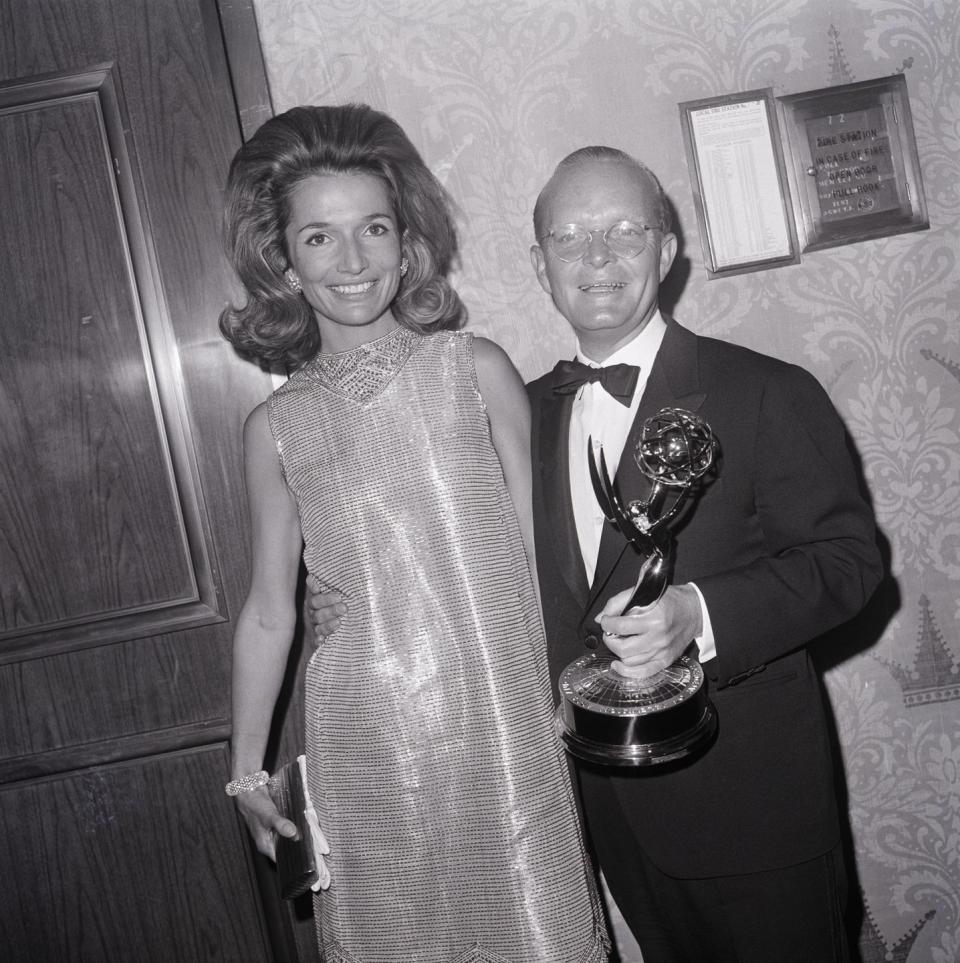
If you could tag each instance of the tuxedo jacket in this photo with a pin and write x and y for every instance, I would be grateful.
(781, 543)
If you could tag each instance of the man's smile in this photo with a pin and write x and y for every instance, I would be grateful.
(602, 287)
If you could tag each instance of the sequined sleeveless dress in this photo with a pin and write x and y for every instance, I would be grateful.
(432, 760)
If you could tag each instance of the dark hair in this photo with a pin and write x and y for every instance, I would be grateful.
(277, 325)
(584, 155)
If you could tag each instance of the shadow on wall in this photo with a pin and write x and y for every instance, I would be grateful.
(676, 280)
(853, 638)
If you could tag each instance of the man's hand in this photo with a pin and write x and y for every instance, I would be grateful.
(325, 609)
(647, 640)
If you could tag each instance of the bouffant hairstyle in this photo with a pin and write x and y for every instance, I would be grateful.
(276, 326)
(661, 213)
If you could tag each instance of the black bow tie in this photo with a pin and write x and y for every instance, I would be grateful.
(618, 380)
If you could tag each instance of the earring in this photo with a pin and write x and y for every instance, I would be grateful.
(404, 266)
(293, 281)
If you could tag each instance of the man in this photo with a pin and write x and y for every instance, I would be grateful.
(735, 854)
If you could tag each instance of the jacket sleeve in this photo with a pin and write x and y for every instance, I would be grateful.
(818, 562)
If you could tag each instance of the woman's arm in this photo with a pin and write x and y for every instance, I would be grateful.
(265, 626)
(509, 412)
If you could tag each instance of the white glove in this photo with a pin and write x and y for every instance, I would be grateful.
(320, 845)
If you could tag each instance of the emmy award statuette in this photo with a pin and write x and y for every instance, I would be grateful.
(614, 717)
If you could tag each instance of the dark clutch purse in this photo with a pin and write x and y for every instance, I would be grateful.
(296, 864)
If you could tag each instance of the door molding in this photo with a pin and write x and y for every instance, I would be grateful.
(248, 73)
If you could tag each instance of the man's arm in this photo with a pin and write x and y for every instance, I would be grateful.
(818, 563)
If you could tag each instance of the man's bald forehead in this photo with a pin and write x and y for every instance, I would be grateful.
(604, 157)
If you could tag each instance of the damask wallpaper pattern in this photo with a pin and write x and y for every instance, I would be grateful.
(494, 94)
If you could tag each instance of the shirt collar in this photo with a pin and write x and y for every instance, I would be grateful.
(641, 351)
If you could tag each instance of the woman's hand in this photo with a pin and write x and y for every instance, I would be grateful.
(264, 821)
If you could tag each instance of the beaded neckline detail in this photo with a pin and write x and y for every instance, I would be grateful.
(363, 372)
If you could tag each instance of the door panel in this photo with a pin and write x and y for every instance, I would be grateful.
(123, 553)
(145, 863)
(92, 523)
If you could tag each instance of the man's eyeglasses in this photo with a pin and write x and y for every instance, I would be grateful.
(572, 241)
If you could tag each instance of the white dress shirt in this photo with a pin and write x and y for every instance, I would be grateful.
(600, 417)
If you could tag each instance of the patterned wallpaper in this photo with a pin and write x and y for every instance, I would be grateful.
(494, 94)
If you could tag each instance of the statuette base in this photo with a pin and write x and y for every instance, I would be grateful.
(609, 719)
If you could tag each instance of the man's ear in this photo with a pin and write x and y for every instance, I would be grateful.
(668, 251)
(540, 267)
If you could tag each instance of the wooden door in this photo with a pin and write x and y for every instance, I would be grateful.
(122, 513)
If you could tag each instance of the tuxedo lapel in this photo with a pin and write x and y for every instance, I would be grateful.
(674, 382)
(554, 457)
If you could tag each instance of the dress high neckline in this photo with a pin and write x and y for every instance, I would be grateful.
(366, 346)
(361, 373)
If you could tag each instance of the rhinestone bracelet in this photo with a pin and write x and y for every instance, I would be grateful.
(253, 780)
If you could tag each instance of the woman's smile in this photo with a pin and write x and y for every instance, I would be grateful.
(352, 290)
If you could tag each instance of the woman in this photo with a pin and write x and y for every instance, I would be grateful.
(396, 458)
